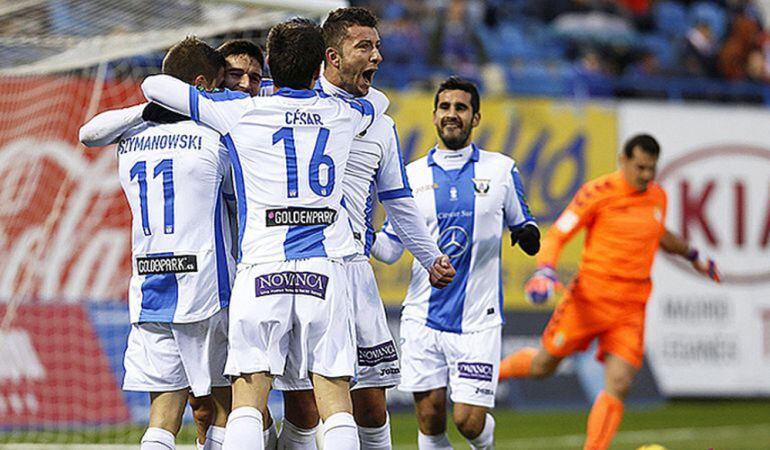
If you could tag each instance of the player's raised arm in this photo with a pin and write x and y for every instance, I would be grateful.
(518, 217)
(673, 244)
(106, 128)
(220, 110)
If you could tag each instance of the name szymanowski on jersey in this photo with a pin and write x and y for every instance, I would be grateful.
(466, 211)
(289, 152)
(172, 176)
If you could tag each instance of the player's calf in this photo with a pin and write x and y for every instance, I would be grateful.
(475, 424)
(245, 423)
(430, 407)
(332, 396)
(371, 414)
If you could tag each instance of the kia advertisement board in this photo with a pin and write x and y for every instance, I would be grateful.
(704, 338)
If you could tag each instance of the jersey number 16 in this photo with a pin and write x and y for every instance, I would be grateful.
(286, 135)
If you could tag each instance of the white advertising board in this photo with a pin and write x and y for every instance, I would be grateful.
(702, 338)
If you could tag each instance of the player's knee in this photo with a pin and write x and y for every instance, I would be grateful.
(543, 368)
(300, 409)
(619, 384)
(432, 420)
(369, 407)
(370, 417)
(469, 423)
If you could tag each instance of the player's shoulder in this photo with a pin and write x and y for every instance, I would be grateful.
(599, 188)
(417, 166)
(381, 130)
(656, 191)
(496, 160)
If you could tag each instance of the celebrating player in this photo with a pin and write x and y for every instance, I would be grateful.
(290, 297)
(452, 336)
(244, 66)
(374, 168)
(624, 214)
(172, 175)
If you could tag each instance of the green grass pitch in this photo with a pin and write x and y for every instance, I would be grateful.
(678, 425)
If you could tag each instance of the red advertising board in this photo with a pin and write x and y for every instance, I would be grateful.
(54, 372)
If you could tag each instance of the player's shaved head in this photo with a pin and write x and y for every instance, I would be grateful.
(191, 58)
(295, 51)
(335, 27)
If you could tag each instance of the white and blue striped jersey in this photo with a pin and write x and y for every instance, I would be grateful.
(375, 170)
(173, 176)
(289, 152)
(468, 198)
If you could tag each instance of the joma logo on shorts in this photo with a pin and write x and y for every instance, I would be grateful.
(483, 391)
(305, 283)
(475, 371)
(390, 371)
(371, 356)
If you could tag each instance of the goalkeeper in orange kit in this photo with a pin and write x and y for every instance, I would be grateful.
(623, 214)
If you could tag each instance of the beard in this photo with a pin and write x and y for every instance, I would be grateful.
(457, 140)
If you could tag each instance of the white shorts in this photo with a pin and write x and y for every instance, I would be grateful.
(298, 310)
(377, 359)
(164, 357)
(468, 363)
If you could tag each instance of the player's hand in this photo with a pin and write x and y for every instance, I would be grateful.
(542, 285)
(153, 112)
(528, 238)
(441, 272)
(705, 266)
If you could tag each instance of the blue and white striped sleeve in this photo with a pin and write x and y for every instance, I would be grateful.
(391, 179)
(219, 110)
(517, 212)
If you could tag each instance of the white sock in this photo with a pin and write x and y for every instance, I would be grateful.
(375, 438)
(244, 427)
(158, 439)
(215, 436)
(340, 432)
(271, 437)
(485, 440)
(198, 445)
(293, 437)
(433, 442)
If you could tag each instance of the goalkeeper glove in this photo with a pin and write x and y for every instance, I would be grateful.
(705, 266)
(528, 238)
(542, 285)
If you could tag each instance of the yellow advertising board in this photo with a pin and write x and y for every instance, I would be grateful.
(557, 145)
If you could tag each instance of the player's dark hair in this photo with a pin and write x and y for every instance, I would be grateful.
(242, 47)
(456, 83)
(645, 142)
(192, 57)
(295, 49)
(335, 27)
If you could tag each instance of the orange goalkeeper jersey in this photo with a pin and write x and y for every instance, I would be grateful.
(623, 226)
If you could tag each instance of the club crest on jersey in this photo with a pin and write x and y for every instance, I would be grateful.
(481, 186)
(452, 194)
(305, 283)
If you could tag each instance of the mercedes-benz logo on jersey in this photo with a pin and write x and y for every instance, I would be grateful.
(453, 241)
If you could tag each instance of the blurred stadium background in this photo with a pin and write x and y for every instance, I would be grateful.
(564, 82)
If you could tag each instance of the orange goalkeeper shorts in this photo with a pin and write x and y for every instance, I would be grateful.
(578, 320)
